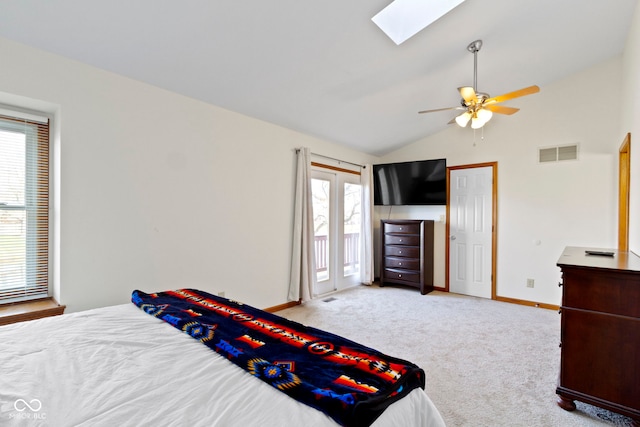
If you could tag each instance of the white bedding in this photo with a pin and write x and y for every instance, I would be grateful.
(117, 366)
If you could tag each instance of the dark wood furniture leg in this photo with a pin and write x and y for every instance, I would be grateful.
(566, 404)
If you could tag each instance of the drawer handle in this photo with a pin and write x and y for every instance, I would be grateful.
(399, 252)
(399, 263)
(399, 275)
(400, 240)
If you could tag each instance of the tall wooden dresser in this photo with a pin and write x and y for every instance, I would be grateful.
(407, 253)
(600, 331)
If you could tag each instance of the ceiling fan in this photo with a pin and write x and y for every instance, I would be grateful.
(478, 106)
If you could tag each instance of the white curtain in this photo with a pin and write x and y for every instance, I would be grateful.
(366, 242)
(303, 264)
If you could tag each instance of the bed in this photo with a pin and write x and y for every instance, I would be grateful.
(123, 366)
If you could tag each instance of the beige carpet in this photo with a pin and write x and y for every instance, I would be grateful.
(487, 363)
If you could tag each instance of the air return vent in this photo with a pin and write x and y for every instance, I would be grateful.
(557, 154)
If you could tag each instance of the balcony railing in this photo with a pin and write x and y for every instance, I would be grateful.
(351, 251)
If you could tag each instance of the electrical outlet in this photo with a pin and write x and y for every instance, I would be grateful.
(221, 294)
(530, 283)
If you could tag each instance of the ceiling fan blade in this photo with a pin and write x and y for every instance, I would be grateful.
(468, 94)
(500, 109)
(515, 94)
(441, 109)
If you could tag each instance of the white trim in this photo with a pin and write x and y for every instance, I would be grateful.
(22, 115)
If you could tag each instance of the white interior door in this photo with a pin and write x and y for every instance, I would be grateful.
(470, 231)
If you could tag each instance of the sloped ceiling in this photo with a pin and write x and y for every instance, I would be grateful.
(324, 68)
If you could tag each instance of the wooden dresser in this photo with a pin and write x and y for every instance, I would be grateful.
(407, 253)
(600, 331)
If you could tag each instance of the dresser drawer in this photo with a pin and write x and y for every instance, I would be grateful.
(402, 228)
(405, 263)
(402, 251)
(409, 240)
(602, 291)
(397, 274)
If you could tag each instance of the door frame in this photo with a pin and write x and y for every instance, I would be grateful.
(494, 222)
(624, 179)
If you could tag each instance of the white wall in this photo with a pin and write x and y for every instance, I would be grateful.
(159, 191)
(631, 123)
(570, 203)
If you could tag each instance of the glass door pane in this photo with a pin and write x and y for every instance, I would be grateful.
(321, 191)
(352, 217)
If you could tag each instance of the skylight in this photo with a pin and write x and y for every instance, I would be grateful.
(403, 18)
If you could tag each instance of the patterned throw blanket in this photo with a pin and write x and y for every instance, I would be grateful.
(349, 382)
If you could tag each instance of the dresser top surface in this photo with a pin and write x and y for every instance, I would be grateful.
(574, 256)
(407, 221)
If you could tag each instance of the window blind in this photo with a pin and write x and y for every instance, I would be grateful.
(24, 207)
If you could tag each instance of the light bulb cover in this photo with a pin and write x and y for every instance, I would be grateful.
(463, 119)
(476, 123)
(484, 115)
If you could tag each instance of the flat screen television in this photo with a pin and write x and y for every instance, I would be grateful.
(421, 182)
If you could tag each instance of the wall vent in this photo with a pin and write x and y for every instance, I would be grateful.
(558, 154)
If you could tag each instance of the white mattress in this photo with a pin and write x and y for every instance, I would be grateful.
(117, 366)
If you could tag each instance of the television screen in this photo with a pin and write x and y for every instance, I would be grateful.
(411, 183)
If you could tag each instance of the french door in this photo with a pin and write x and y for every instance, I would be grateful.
(337, 200)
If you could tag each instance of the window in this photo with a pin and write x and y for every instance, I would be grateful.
(24, 207)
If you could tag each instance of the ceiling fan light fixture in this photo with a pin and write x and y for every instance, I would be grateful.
(474, 102)
(463, 119)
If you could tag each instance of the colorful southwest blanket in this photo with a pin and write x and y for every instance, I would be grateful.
(349, 382)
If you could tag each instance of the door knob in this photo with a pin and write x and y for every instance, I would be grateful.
(453, 237)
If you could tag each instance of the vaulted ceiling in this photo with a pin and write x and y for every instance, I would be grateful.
(323, 67)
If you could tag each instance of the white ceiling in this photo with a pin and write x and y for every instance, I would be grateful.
(323, 67)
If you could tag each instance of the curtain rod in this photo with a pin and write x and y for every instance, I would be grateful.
(337, 160)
